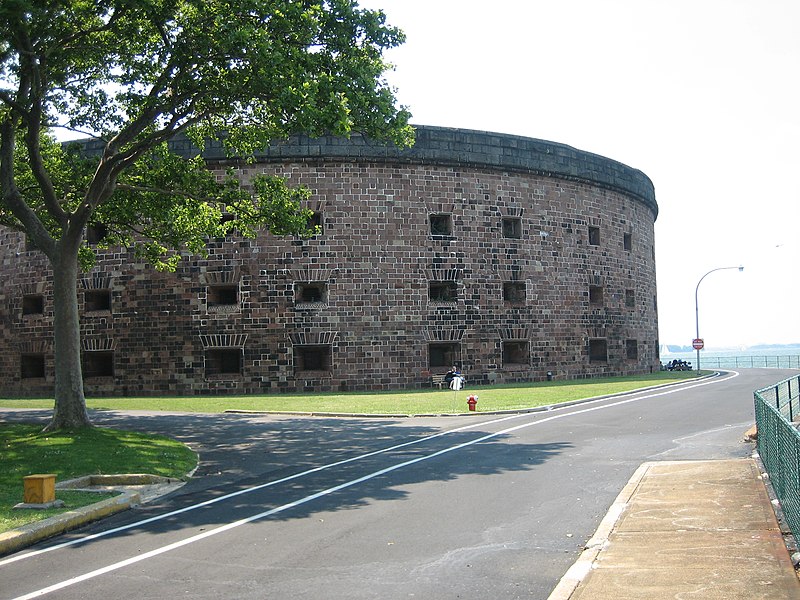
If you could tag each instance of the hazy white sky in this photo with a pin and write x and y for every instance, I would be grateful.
(701, 95)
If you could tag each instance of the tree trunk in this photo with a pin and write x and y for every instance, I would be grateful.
(70, 403)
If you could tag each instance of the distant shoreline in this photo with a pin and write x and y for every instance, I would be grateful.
(757, 349)
(773, 355)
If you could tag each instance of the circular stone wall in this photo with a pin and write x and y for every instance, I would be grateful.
(508, 256)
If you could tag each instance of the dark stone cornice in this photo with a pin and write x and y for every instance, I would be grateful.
(457, 148)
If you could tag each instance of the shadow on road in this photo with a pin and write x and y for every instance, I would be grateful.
(238, 453)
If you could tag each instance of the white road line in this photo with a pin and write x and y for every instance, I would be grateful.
(249, 490)
(88, 538)
(301, 501)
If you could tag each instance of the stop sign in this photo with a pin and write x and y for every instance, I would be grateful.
(697, 344)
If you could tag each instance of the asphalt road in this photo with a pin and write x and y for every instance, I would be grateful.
(461, 507)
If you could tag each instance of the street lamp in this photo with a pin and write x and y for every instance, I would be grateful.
(697, 311)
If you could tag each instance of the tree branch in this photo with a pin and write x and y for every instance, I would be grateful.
(64, 43)
(6, 99)
(12, 197)
(127, 158)
(88, 134)
(34, 91)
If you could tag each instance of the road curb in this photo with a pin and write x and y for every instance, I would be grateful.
(30, 533)
(581, 568)
(16, 539)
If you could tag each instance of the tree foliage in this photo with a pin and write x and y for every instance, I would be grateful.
(132, 75)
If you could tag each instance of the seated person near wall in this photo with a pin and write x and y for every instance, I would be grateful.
(453, 372)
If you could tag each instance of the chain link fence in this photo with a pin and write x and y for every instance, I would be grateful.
(777, 409)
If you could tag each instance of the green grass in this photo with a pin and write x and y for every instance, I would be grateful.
(11, 519)
(25, 450)
(407, 402)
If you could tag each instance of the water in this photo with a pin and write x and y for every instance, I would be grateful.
(784, 357)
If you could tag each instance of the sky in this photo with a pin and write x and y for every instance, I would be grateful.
(701, 95)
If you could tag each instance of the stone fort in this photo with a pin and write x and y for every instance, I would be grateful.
(517, 259)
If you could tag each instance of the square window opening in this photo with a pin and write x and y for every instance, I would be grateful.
(98, 363)
(632, 349)
(96, 233)
(443, 355)
(223, 295)
(516, 352)
(630, 298)
(627, 242)
(441, 224)
(224, 219)
(313, 358)
(33, 304)
(442, 291)
(32, 366)
(594, 236)
(311, 292)
(598, 350)
(315, 223)
(97, 300)
(596, 295)
(512, 227)
(514, 292)
(224, 361)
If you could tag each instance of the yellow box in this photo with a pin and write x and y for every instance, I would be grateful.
(39, 489)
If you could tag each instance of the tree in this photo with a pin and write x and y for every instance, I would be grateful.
(131, 75)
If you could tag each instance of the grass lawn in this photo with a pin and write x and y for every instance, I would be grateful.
(406, 402)
(25, 450)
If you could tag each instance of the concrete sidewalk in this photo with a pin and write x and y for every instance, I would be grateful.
(689, 529)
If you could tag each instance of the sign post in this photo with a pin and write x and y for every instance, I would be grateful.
(697, 338)
(697, 344)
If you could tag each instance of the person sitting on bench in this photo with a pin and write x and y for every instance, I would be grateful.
(453, 374)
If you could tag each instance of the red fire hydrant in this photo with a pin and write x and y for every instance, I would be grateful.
(472, 401)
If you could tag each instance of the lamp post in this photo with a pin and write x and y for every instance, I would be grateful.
(697, 310)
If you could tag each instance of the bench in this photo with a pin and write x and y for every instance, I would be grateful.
(438, 380)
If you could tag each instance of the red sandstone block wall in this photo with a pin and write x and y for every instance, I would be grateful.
(376, 258)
